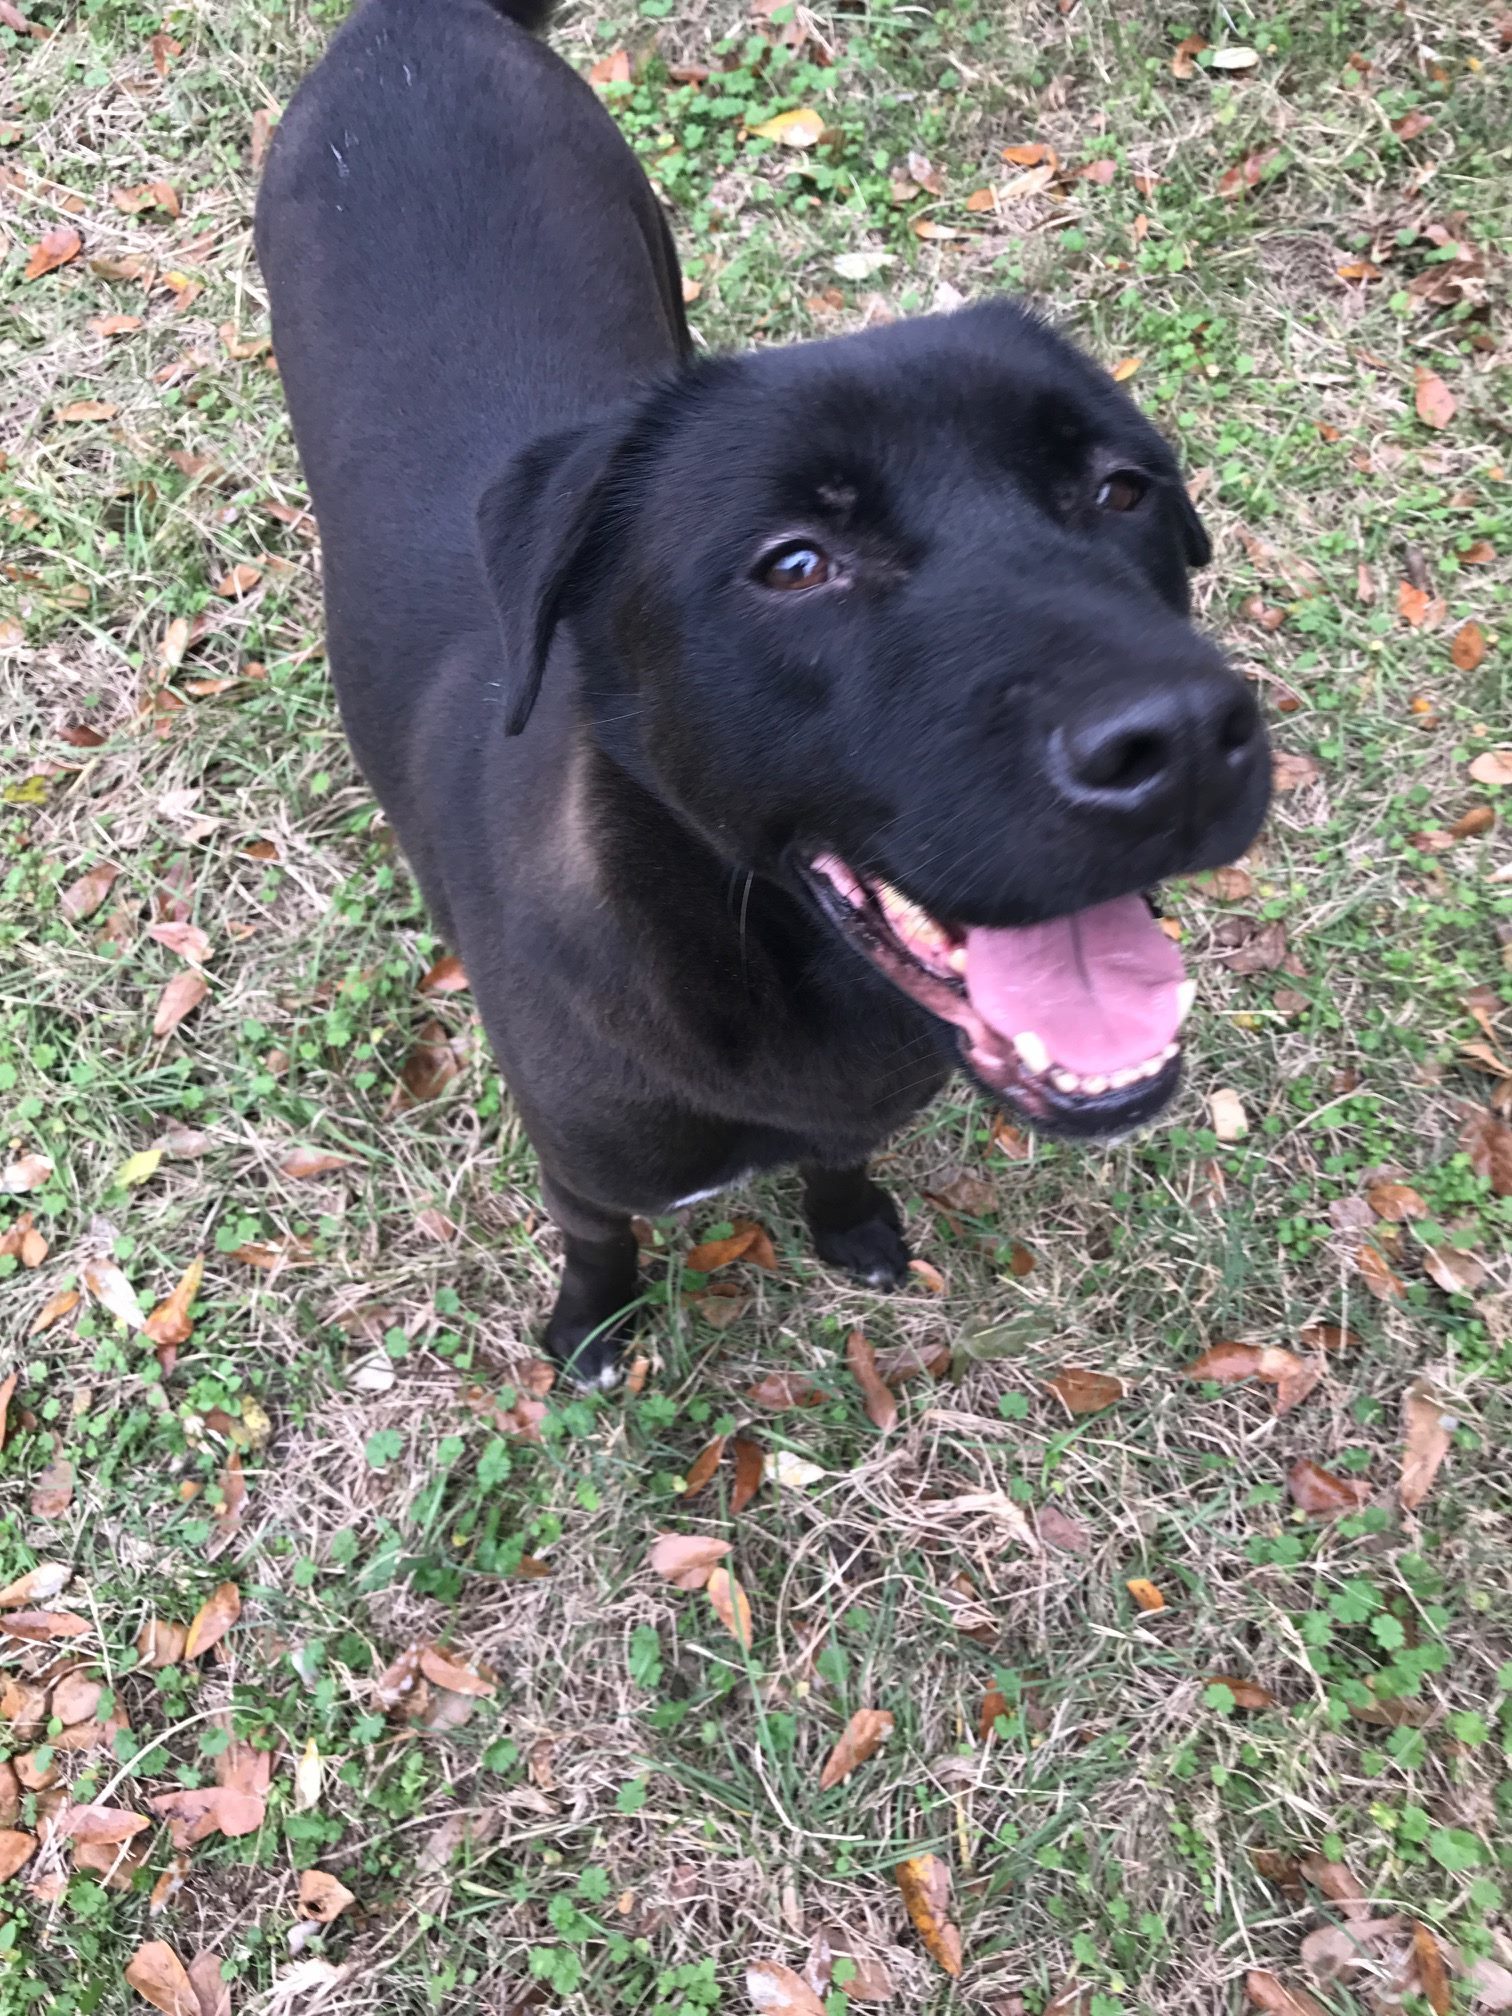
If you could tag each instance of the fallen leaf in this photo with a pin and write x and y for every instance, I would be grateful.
(611, 69)
(749, 1467)
(1265, 1991)
(1124, 369)
(7, 1389)
(1435, 402)
(238, 581)
(100, 1824)
(75, 1699)
(881, 1407)
(187, 940)
(980, 200)
(1230, 1122)
(445, 977)
(1334, 1950)
(716, 1253)
(1083, 1392)
(155, 195)
(159, 1644)
(1146, 1596)
(1468, 647)
(1329, 1337)
(170, 1323)
(687, 1560)
(912, 1361)
(1236, 57)
(994, 1703)
(1455, 1272)
(83, 897)
(721, 1304)
(436, 1059)
(1032, 154)
(193, 1813)
(1247, 1693)
(1290, 770)
(1033, 182)
(731, 1606)
(1318, 1490)
(37, 1585)
(1433, 1975)
(213, 1620)
(1425, 1443)
(1247, 174)
(322, 1896)
(925, 1883)
(802, 128)
(309, 1778)
(867, 1979)
(301, 1163)
(53, 249)
(1396, 1202)
(444, 1671)
(1057, 1529)
(1184, 59)
(1417, 607)
(25, 1174)
(930, 1275)
(1470, 825)
(1376, 1272)
(52, 1494)
(160, 1977)
(776, 1990)
(703, 1466)
(17, 1849)
(791, 1472)
(786, 1389)
(179, 998)
(866, 1729)
(78, 410)
(228, 1514)
(1493, 766)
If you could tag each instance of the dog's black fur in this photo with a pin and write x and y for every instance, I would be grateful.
(603, 744)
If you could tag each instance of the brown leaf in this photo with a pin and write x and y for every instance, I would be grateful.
(731, 1606)
(1146, 1596)
(25, 1174)
(1455, 1272)
(7, 1389)
(194, 1813)
(716, 1253)
(687, 1560)
(1377, 1274)
(322, 1896)
(611, 69)
(786, 1389)
(911, 1361)
(1082, 1392)
(156, 195)
(187, 940)
(721, 1304)
(238, 581)
(749, 1465)
(1470, 825)
(1338, 1884)
(1329, 1337)
(43, 1626)
(881, 1407)
(1265, 1991)
(228, 1514)
(1334, 1950)
(1032, 154)
(1246, 1693)
(1184, 60)
(17, 1849)
(972, 1196)
(869, 1980)
(432, 1064)
(170, 1323)
(1487, 1139)
(925, 1883)
(1468, 647)
(994, 1703)
(1433, 1976)
(75, 1699)
(52, 1494)
(1057, 1529)
(301, 1163)
(1226, 1363)
(442, 1670)
(37, 1585)
(445, 977)
(1396, 1202)
(53, 249)
(159, 1644)
(160, 1977)
(99, 1824)
(980, 200)
(82, 898)
(703, 1466)
(867, 1728)
(261, 133)
(930, 1275)
(1435, 402)
(775, 1990)
(1290, 770)
(1425, 1443)
(78, 410)
(1246, 174)
(179, 998)
(213, 1620)
(1318, 1490)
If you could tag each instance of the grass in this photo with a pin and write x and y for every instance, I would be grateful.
(633, 1814)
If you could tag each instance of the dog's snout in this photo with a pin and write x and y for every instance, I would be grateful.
(1162, 752)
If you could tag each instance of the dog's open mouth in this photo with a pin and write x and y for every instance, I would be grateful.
(1077, 1022)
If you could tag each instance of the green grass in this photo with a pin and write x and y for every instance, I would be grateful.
(634, 1815)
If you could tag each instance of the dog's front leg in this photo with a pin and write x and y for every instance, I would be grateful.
(592, 1319)
(855, 1224)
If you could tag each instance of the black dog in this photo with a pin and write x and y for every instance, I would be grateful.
(771, 735)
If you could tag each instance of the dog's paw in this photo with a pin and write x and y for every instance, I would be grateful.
(589, 1354)
(874, 1251)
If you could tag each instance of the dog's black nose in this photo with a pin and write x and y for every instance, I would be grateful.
(1163, 751)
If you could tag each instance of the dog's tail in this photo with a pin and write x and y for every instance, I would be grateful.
(532, 15)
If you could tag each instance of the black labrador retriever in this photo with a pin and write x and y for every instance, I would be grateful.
(771, 734)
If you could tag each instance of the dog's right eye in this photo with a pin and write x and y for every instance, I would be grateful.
(794, 566)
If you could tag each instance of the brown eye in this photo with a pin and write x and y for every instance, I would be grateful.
(795, 566)
(1121, 491)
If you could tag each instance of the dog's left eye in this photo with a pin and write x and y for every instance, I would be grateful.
(794, 566)
(1121, 491)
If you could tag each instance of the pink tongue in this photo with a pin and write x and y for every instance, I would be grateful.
(1099, 988)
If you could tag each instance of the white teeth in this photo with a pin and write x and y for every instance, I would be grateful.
(1169, 1052)
(1095, 1084)
(1120, 1079)
(1065, 1081)
(1186, 994)
(1031, 1049)
(958, 962)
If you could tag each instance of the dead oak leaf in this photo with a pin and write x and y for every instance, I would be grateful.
(323, 1896)
(1082, 1392)
(925, 1883)
(786, 1389)
(775, 1990)
(51, 1496)
(17, 1849)
(1487, 1140)
(37, 1585)
(170, 1323)
(53, 249)
(750, 1467)
(84, 896)
(881, 1407)
(731, 1606)
(302, 1163)
(182, 995)
(1433, 1975)
(213, 1620)
(193, 1813)
(859, 1740)
(1266, 1991)
(1435, 403)
(442, 1670)
(687, 1560)
(159, 1976)
(1318, 1490)
(703, 1466)
(1425, 1443)
(867, 1980)
(1467, 647)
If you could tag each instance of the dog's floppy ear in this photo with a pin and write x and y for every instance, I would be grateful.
(536, 526)
(1195, 542)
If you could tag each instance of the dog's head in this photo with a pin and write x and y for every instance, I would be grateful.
(901, 620)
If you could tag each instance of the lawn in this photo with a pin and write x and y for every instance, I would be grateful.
(1181, 1665)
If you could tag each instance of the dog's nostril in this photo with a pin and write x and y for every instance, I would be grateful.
(1116, 758)
(1236, 731)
